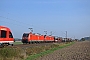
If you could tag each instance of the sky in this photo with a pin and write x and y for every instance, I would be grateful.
(57, 16)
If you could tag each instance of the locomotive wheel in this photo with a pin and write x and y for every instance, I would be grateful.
(29, 42)
(11, 44)
(2, 45)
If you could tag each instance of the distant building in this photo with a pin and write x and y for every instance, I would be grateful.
(87, 38)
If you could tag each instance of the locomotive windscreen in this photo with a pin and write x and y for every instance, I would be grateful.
(25, 35)
(10, 35)
(3, 34)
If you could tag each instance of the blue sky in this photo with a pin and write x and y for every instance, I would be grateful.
(57, 16)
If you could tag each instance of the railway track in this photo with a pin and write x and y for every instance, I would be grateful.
(24, 46)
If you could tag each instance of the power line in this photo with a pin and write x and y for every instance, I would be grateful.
(20, 22)
(14, 20)
(11, 23)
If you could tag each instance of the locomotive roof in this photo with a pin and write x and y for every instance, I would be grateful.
(4, 28)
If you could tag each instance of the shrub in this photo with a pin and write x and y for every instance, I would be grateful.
(8, 53)
(54, 46)
(35, 50)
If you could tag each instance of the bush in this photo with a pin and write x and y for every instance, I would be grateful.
(9, 53)
(35, 50)
(54, 46)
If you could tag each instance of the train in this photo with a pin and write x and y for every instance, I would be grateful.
(36, 38)
(6, 37)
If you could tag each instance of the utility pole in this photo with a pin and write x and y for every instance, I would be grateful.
(66, 36)
(74, 37)
(45, 32)
(51, 33)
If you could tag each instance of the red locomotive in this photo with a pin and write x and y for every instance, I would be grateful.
(35, 38)
(6, 37)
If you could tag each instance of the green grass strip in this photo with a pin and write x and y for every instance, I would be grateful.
(16, 43)
(32, 57)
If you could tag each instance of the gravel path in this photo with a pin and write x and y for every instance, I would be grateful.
(78, 51)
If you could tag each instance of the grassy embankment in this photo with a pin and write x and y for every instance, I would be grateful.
(17, 53)
(52, 49)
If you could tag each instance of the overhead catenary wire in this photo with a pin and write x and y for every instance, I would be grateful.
(15, 21)
(20, 23)
(12, 23)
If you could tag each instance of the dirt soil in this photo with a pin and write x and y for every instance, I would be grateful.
(77, 51)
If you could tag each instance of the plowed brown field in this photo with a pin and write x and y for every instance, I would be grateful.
(77, 51)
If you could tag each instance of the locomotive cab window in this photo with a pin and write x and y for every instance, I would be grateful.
(3, 34)
(10, 35)
(25, 35)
